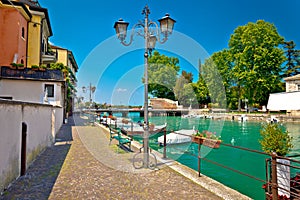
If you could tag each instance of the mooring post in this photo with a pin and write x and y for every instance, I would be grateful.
(165, 144)
(199, 159)
(274, 177)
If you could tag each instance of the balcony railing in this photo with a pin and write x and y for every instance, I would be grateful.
(49, 57)
(28, 73)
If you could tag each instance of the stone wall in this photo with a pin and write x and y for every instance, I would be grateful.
(42, 121)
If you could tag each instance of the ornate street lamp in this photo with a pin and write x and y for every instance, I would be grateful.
(150, 31)
(92, 89)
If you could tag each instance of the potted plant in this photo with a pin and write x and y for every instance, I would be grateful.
(13, 65)
(35, 67)
(43, 68)
(275, 139)
(207, 138)
(20, 66)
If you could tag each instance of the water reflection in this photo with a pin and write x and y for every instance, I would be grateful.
(294, 131)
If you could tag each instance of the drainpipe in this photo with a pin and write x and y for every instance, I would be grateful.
(27, 33)
(41, 40)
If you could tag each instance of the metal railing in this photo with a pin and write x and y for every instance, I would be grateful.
(29, 73)
(276, 186)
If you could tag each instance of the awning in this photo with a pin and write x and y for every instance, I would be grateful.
(284, 101)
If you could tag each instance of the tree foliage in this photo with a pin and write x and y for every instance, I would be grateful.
(162, 71)
(184, 91)
(214, 82)
(187, 75)
(257, 59)
(292, 66)
(250, 68)
(274, 139)
(201, 91)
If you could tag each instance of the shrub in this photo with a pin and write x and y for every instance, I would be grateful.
(275, 139)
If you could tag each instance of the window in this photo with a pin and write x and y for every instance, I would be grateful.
(50, 90)
(23, 32)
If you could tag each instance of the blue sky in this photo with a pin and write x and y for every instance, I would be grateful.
(202, 28)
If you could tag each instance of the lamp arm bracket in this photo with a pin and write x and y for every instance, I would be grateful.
(158, 34)
(132, 34)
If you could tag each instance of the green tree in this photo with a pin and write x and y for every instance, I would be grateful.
(292, 66)
(201, 91)
(179, 88)
(184, 91)
(187, 75)
(223, 62)
(274, 139)
(188, 97)
(214, 82)
(162, 75)
(257, 59)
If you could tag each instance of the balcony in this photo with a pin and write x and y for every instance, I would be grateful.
(28, 73)
(49, 57)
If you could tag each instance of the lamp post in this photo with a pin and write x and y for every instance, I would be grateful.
(92, 89)
(151, 33)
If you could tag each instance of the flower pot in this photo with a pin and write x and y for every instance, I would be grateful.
(197, 139)
(212, 143)
(206, 142)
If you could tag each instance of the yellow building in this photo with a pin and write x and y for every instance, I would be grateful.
(39, 31)
(66, 57)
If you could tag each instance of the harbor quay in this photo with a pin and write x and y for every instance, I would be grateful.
(205, 113)
(82, 164)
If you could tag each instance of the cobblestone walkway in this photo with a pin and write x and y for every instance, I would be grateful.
(75, 168)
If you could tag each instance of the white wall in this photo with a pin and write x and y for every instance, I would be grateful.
(30, 90)
(43, 122)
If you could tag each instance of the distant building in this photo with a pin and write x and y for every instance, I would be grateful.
(162, 103)
(292, 83)
(289, 100)
(66, 57)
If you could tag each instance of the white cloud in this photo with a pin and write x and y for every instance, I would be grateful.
(121, 90)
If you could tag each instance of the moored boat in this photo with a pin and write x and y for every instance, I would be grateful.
(177, 137)
(136, 129)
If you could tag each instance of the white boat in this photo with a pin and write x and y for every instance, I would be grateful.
(177, 137)
(243, 118)
(192, 116)
(136, 129)
(273, 119)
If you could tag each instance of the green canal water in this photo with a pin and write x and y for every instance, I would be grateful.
(244, 134)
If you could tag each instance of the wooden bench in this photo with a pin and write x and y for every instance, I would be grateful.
(115, 133)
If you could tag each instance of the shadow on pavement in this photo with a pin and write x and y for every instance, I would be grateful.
(41, 175)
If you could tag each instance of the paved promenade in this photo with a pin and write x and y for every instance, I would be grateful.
(82, 165)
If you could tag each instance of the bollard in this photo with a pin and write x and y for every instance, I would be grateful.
(199, 159)
(165, 144)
